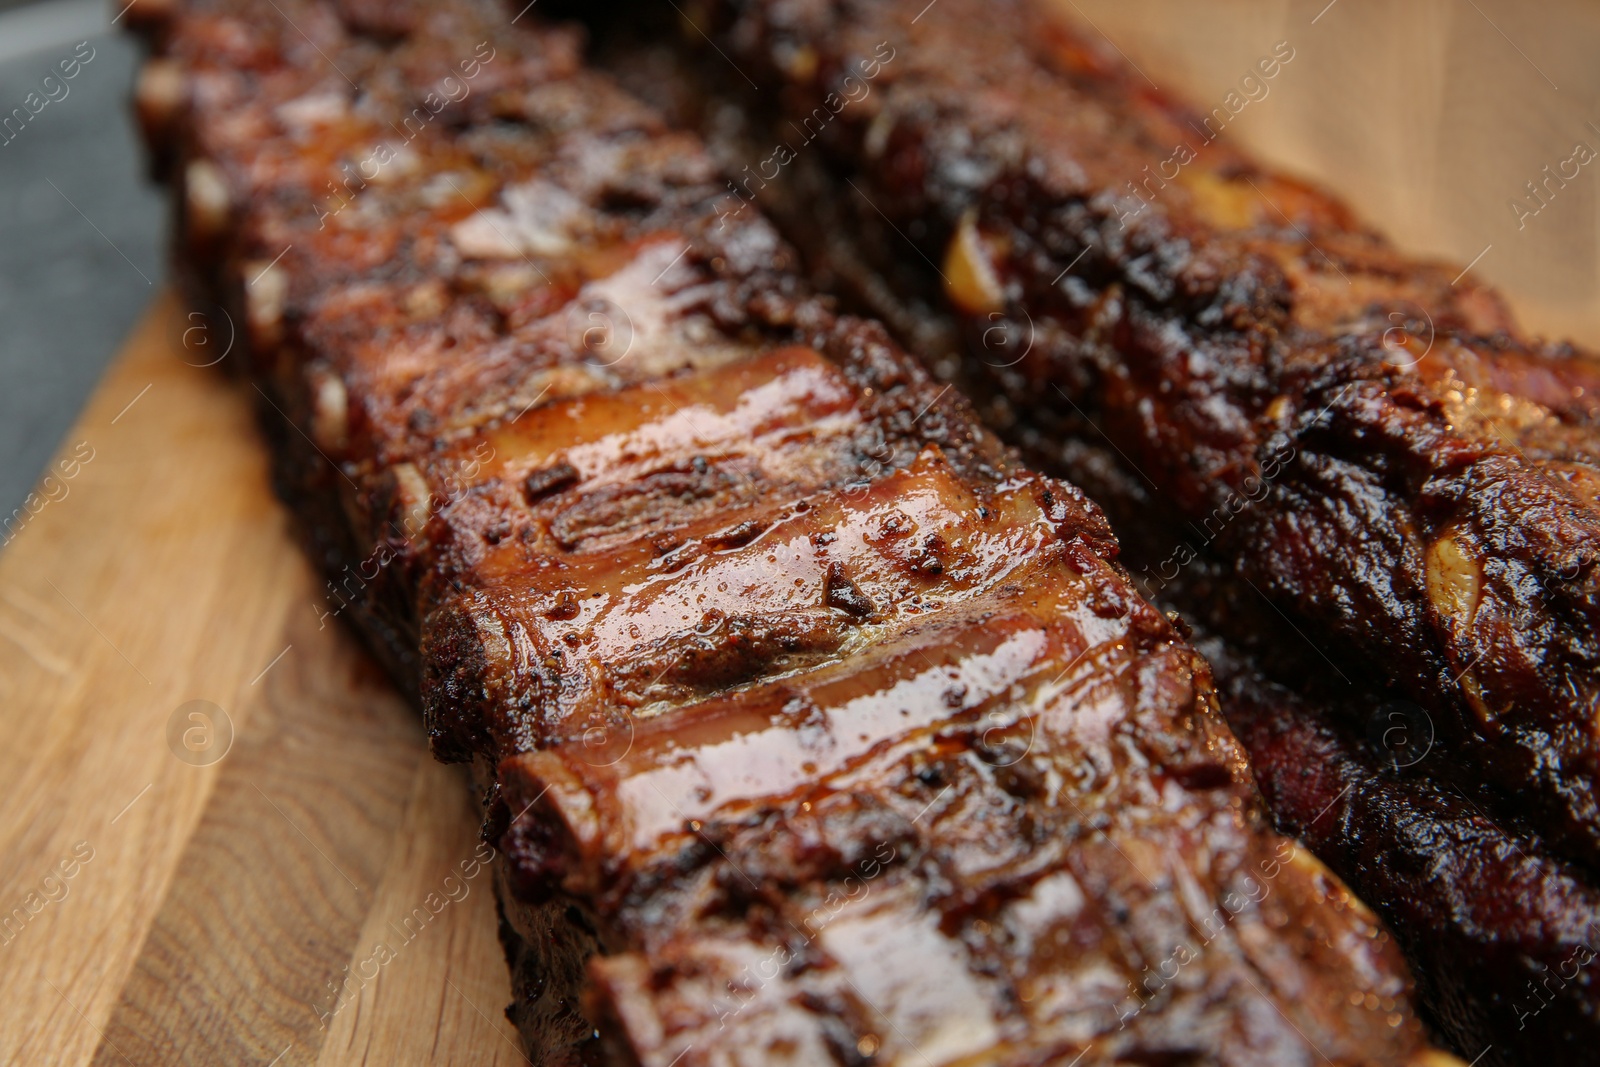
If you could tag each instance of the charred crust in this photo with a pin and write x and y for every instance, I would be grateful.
(840, 592)
(541, 483)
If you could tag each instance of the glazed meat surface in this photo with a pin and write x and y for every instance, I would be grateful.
(1369, 444)
(1498, 927)
(1345, 464)
(810, 726)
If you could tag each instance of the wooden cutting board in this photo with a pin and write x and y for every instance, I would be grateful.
(171, 895)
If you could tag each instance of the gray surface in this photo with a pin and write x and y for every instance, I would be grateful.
(68, 294)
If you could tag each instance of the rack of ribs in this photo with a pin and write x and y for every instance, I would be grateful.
(1400, 489)
(809, 725)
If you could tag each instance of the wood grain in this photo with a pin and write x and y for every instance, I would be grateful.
(221, 899)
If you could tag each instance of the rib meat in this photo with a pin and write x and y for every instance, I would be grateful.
(1499, 930)
(1384, 487)
(810, 726)
(1427, 481)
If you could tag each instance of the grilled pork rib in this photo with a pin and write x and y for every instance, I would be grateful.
(1253, 386)
(810, 726)
(1427, 481)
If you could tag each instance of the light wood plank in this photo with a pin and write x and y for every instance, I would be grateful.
(278, 878)
(215, 907)
(163, 575)
(426, 939)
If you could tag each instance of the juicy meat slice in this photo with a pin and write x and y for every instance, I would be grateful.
(944, 844)
(1364, 441)
(819, 727)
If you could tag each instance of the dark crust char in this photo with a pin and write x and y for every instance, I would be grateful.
(1496, 925)
(1500, 932)
(1499, 929)
(810, 726)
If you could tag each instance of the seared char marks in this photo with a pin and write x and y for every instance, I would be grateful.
(1347, 461)
(634, 626)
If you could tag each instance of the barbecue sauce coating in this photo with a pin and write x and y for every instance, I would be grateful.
(810, 726)
(1271, 403)
(1423, 482)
